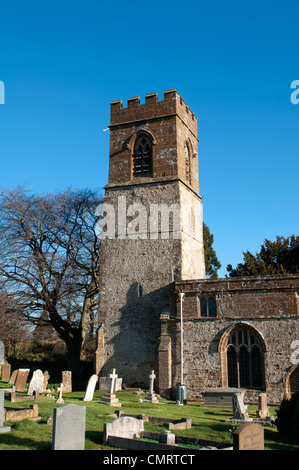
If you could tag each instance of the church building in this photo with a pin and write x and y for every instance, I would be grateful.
(157, 309)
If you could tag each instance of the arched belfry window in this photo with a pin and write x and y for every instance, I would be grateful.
(142, 156)
(242, 351)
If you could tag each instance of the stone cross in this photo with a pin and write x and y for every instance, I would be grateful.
(152, 378)
(113, 376)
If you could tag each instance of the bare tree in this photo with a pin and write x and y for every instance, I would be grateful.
(49, 259)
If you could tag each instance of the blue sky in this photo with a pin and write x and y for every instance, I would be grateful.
(63, 62)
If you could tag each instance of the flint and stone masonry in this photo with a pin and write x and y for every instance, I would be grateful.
(237, 332)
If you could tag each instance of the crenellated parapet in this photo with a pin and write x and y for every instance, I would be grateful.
(172, 105)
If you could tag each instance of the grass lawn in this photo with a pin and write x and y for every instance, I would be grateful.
(207, 423)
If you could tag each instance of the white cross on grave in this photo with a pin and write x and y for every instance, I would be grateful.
(151, 397)
(113, 376)
(152, 378)
(110, 398)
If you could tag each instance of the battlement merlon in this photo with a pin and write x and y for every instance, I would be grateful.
(172, 105)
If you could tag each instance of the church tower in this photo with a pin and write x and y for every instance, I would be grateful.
(151, 229)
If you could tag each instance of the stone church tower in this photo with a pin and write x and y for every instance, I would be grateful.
(152, 229)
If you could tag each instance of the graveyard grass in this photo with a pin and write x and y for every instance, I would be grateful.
(207, 423)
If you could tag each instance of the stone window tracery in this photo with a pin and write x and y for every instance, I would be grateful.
(244, 360)
(142, 157)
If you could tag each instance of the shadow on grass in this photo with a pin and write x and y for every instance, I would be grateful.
(14, 442)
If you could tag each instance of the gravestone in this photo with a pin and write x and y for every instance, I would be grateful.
(167, 437)
(239, 409)
(104, 384)
(249, 437)
(21, 379)
(3, 429)
(69, 427)
(152, 397)
(263, 411)
(46, 380)
(110, 398)
(5, 376)
(125, 426)
(67, 381)
(37, 382)
(2, 352)
(220, 397)
(13, 377)
(90, 388)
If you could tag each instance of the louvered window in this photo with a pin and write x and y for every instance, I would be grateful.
(142, 157)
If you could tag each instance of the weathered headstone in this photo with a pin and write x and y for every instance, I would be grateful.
(21, 379)
(125, 426)
(2, 352)
(167, 437)
(249, 437)
(220, 397)
(239, 409)
(37, 382)
(90, 388)
(13, 377)
(67, 381)
(69, 427)
(2, 428)
(6, 369)
(263, 411)
(46, 380)
(110, 398)
(104, 384)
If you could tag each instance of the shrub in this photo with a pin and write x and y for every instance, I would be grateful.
(287, 421)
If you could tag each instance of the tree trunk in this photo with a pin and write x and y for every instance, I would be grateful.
(73, 355)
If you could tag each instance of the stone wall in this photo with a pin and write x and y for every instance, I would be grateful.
(267, 306)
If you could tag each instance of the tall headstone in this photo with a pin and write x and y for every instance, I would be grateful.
(2, 428)
(46, 380)
(13, 377)
(21, 379)
(69, 427)
(36, 383)
(263, 411)
(5, 375)
(67, 381)
(90, 388)
(249, 437)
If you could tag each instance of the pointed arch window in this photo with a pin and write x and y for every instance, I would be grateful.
(244, 359)
(142, 157)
